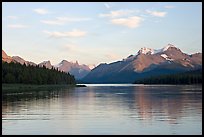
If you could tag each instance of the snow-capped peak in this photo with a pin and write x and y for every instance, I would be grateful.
(145, 50)
(168, 46)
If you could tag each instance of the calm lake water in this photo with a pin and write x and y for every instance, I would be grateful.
(105, 109)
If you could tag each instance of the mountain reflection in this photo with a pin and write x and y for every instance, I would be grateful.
(163, 103)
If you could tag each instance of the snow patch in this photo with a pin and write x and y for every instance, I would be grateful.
(166, 57)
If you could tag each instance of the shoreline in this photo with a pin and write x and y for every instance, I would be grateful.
(23, 87)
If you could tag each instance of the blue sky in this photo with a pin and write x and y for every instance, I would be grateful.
(99, 32)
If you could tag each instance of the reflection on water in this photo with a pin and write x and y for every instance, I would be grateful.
(110, 109)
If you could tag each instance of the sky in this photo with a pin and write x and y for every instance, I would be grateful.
(98, 32)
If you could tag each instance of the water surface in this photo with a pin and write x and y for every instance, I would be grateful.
(105, 109)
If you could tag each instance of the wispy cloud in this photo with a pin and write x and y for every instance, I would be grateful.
(41, 11)
(17, 26)
(12, 17)
(131, 22)
(157, 13)
(64, 20)
(169, 7)
(73, 33)
(118, 13)
(52, 22)
(124, 17)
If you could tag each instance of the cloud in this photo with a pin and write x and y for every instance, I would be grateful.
(17, 26)
(118, 13)
(157, 13)
(73, 33)
(52, 22)
(169, 7)
(131, 22)
(107, 5)
(12, 17)
(41, 11)
(63, 20)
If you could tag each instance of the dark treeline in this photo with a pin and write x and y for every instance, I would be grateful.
(17, 73)
(190, 77)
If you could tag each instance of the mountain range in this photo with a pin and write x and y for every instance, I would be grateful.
(145, 63)
(79, 71)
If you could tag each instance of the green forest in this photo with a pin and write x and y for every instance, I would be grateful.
(190, 77)
(22, 74)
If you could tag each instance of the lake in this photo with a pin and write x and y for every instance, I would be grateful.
(105, 109)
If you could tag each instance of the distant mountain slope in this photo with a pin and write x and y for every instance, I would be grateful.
(147, 62)
(79, 71)
(22, 61)
(6, 58)
(46, 64)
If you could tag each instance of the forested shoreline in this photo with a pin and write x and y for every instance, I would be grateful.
(190, 77)
(22, 74)
(15, 73)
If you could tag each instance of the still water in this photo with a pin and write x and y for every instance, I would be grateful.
(105, 109)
